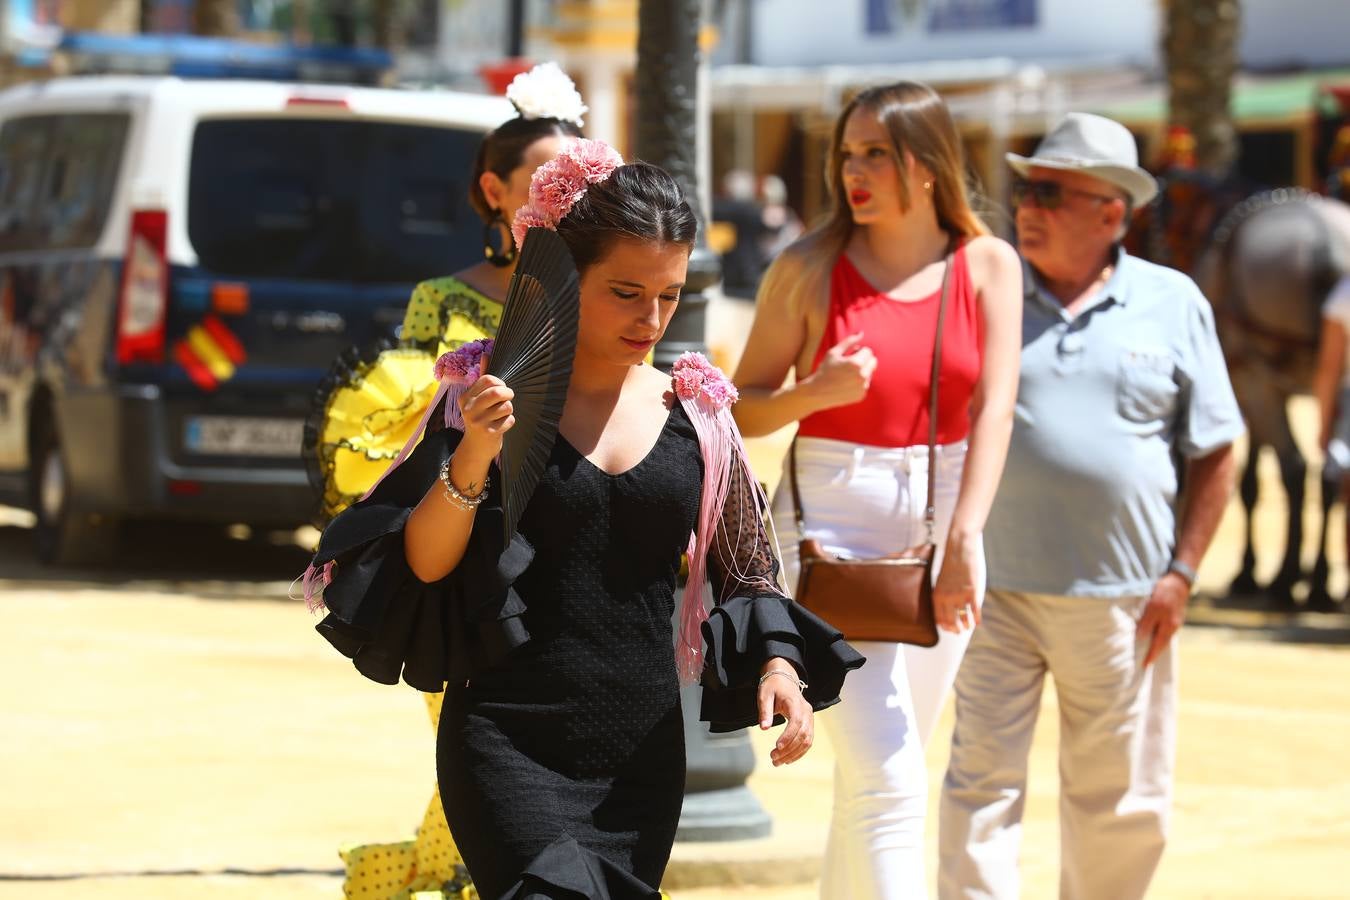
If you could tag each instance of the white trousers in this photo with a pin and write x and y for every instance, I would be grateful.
(1117, 748)
(869, 501)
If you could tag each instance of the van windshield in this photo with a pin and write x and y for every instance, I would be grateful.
(332, 200)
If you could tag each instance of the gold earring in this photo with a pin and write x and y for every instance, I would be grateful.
(928, 185)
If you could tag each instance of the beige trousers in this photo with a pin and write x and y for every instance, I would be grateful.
(1116, 752)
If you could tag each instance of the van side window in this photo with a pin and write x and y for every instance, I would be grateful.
(57, 175)
(81, 176)
(24, 145)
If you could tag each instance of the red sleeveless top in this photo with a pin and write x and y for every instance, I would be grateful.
(900, 333)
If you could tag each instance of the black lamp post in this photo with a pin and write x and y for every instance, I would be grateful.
(717, 803)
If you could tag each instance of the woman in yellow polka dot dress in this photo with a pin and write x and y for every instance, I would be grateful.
(370, 405)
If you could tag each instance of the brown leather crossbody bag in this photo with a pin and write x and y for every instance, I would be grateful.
(884, 598)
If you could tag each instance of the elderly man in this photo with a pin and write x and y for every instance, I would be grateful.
(1118, 472)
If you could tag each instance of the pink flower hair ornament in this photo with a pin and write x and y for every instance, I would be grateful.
(559, 183)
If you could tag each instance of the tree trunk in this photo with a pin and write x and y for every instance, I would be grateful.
(1200, 52)
(301, 32)
(385, 24)
(215, 18)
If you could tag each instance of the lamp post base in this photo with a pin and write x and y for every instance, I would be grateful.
(717, 804)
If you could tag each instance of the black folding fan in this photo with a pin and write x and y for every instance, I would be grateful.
(533, 355)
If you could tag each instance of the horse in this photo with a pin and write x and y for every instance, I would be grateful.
(1270, 265)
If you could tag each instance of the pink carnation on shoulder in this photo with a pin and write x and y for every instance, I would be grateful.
(688, 382)
(462, 366)
(528, 217)
(720, 390)
(694, 375)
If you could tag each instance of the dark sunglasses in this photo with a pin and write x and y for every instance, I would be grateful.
(1049, 194)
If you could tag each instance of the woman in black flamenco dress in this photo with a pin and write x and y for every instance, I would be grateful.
(561, 751)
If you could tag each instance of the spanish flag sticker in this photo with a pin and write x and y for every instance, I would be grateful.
(210, 353)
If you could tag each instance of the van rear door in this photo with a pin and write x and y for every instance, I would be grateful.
(310, 234)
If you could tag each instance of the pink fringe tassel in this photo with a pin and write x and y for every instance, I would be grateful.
(720, 444)
(312, 584)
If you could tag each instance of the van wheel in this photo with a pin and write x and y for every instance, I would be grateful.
(63, 536)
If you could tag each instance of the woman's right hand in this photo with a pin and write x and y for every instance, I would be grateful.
(844, 373)
(488, 415)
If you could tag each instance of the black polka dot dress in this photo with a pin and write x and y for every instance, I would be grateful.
(578, 737)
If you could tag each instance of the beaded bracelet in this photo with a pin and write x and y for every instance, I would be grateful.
(455, 496)
(801, 685)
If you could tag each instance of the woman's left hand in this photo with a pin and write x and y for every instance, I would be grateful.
(954, 598)
(780, 695)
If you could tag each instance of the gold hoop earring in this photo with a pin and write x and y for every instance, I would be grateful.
(928, 185)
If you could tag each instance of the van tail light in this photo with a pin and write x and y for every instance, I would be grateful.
(144, 299)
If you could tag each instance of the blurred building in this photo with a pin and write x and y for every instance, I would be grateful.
(779, 70)
(34, 34)
(1008, 69)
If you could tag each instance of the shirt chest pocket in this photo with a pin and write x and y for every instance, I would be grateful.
(1146, 390)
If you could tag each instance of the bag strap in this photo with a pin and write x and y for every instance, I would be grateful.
(796, 490)
(930, 511)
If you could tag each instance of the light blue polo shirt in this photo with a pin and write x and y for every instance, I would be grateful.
(1109, 402)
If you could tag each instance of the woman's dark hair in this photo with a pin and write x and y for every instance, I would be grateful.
(639, 201)
(503, 150)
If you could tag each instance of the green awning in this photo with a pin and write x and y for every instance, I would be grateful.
(1254, 99)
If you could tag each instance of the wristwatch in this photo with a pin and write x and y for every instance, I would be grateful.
(1186, 572)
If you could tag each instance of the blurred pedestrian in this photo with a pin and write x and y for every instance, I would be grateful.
(1338, 165)
(442, 314)
(1092, 546)
(852, 310)
(737, 205)
(782, 225)
(1332, 388)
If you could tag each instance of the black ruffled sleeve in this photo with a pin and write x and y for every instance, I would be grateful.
(755, 620)
(388, 621)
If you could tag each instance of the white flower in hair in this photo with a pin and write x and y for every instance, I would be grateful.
(545, 92)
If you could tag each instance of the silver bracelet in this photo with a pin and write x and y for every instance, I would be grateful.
(455, 496)
(801, 685)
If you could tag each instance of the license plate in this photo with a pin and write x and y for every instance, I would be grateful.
(243, 436)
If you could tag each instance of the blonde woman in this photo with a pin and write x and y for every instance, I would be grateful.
(851, 311)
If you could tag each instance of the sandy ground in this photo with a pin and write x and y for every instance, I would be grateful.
(166, 742)
(172, 727)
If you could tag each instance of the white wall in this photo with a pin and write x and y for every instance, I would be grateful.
(1295, 33)
(817, 32)
(1285, 33)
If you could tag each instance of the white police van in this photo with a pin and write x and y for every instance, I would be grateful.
(182, 260)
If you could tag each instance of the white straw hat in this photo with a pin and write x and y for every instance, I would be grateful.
(1095, 146)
